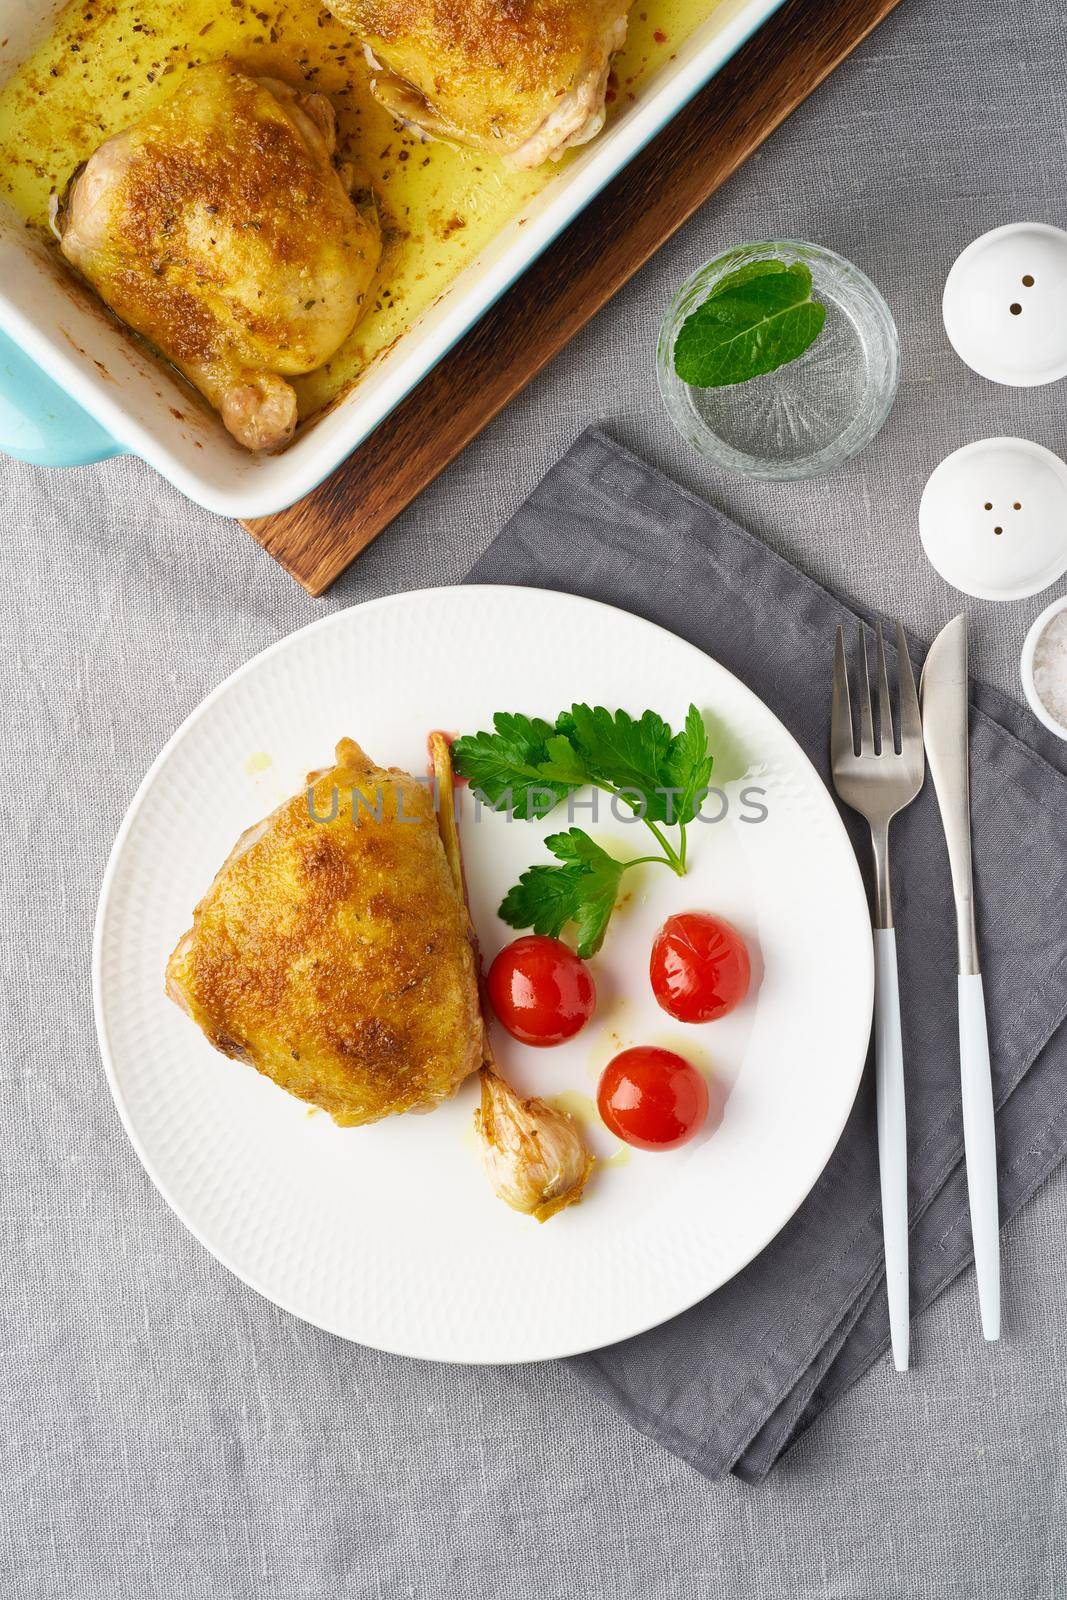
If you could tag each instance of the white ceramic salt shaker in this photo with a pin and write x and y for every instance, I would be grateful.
(993, 518)
(1005, 304)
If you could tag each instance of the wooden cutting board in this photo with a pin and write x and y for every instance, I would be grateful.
(316, 539)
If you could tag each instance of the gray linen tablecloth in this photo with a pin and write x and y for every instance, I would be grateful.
(164, 1432)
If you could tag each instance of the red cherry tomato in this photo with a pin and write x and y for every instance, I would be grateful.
(699, 968)
(652, 1098)
(540, 990)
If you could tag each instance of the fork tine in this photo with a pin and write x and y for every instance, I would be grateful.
(911, 727)
(866, 716)
(886, 741)
(842, 738)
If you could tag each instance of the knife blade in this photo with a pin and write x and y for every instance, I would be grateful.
(943, 697)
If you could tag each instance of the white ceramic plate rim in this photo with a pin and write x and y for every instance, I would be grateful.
(863, 977)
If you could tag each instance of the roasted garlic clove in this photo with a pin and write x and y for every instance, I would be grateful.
(535, 1155)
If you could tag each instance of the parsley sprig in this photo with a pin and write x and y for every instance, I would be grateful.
(528, 766)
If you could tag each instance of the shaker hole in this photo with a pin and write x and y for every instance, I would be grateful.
(989, 505)
(1018, 505)
(1015, 308)
(998, 530)
(1028, 281)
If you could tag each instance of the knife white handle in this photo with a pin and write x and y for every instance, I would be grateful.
(892, 1139)
(980, 1144)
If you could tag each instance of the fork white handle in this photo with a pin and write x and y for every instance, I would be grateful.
(980, 1145)
(892, 1139)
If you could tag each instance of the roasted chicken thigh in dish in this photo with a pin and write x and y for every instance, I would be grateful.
(334, 951)
(219, 228)
(525, 79)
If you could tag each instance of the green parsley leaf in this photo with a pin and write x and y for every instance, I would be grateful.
(755, 320)
(563, 764)
(622, 753)
(520, 765)
(583, 891)
(577, 846)
(531, 765)
(544, 899)
(597, 888)
(689, 764)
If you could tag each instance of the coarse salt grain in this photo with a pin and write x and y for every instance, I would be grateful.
(1050, 667)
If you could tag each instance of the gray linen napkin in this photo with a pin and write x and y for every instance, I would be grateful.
(730, 1384)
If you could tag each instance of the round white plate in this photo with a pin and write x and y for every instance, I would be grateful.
(390, 1234)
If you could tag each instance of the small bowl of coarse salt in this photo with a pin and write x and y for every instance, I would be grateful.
(1044, 667)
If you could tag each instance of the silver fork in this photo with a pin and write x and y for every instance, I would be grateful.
(878, 781)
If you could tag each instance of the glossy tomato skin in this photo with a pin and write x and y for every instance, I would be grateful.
(700, 968)
(652, 1098)
(540, 990)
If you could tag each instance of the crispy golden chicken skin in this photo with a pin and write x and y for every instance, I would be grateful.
(525, 79)
(219, 228)
(336, 956)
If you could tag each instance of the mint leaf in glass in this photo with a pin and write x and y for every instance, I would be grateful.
(755, 320)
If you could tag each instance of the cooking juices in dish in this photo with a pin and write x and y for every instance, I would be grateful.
(103, 66)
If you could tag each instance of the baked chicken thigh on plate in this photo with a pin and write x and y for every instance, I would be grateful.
(334, 951)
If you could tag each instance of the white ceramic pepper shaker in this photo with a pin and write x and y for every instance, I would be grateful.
(1005, 304)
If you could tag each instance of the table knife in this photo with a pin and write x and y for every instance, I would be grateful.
(943, 694)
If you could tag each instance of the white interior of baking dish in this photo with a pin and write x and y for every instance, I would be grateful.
(148, 411)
